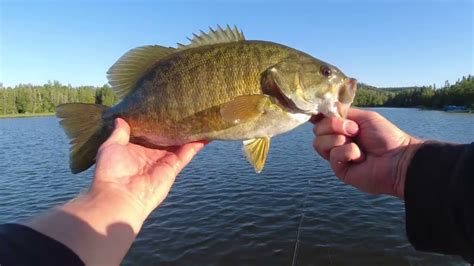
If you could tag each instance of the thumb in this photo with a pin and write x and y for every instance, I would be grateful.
(121, 133)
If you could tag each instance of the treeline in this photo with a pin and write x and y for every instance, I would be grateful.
(461, 93)
(27, 98)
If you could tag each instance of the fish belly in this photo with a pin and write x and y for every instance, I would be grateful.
(268, 125)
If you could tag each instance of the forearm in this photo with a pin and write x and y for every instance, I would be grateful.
(98, 226)
(439, 199)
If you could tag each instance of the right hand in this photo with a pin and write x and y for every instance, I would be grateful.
(366, 151)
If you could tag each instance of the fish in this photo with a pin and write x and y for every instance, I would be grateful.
(220, 86)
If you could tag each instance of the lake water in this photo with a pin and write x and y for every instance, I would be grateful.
(221, 212)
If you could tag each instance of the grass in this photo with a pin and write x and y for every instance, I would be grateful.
(25, 115)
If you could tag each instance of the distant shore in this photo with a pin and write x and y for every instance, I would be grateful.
(424, 108)
(25, 115)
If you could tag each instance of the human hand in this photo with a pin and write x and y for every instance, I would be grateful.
(142, 175)
(130, 181)
(366, 151)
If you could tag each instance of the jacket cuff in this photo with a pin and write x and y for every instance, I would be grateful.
(439, 199)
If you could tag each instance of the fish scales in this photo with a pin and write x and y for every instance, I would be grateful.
(190, 82)
(221, 73)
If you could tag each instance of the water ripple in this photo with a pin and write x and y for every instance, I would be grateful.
(220, 212)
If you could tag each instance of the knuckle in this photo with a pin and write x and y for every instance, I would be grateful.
(319, 147)
(323, 127)
(317, 144)
(374, 115)
(339, 140)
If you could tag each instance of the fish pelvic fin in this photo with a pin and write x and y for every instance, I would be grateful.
(133, 65)
(86, 130)
(256, 151)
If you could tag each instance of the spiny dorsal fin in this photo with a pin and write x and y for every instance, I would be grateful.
(214, 36)
(125, 73)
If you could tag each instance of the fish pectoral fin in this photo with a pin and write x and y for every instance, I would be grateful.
(244, 108)
(256, 151)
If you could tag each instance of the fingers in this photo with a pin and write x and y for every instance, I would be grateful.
(332, 132)
(348, 127)
(170, 166)
(358, 114)
(324, 144)
(336, 125)
(187, 152)
(349, 152)
(121, 133)
(339, 157)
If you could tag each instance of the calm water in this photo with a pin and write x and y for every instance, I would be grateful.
(221, 212)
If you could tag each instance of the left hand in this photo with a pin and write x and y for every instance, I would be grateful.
(130, 181)
(143, 175)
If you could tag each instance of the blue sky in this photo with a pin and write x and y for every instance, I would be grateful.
(382, 43)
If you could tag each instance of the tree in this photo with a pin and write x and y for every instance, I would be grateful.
(104, 95)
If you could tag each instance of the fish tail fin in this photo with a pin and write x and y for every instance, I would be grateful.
(87, 130)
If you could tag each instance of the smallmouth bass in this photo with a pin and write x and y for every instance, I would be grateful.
(218, 87)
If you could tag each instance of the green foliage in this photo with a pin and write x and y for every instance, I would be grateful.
(104, 95)
(27, 98)
(460, 93)
(371, 96)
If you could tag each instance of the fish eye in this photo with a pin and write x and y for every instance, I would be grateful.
(326, 71)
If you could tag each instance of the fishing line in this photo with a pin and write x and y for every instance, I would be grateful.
(295, 251)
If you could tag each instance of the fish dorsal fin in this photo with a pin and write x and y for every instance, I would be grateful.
(214, 36)
(125, 73)
(256, 151)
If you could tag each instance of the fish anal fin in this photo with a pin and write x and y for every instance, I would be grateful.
(244, 108)
(125, 73)
(256, 151)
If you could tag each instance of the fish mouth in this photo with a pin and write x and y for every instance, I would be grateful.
(346, 96)
(271, 88)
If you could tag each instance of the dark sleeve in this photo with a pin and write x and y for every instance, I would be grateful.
(439, 199)
(21, 245)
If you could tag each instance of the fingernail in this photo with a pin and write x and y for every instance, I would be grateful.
(351, 127)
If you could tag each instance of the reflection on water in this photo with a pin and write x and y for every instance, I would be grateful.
(221, 212)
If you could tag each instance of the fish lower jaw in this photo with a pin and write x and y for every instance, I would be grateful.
(326, 106)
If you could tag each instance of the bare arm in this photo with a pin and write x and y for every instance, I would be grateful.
(130, 181)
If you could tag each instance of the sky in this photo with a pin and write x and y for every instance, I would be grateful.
(384, 43)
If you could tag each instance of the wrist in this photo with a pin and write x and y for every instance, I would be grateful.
(106, 206)
(122, 194)
(99, 226)
(407, 155)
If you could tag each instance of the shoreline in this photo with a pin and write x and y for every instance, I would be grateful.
(26, 115)
(422, 108)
